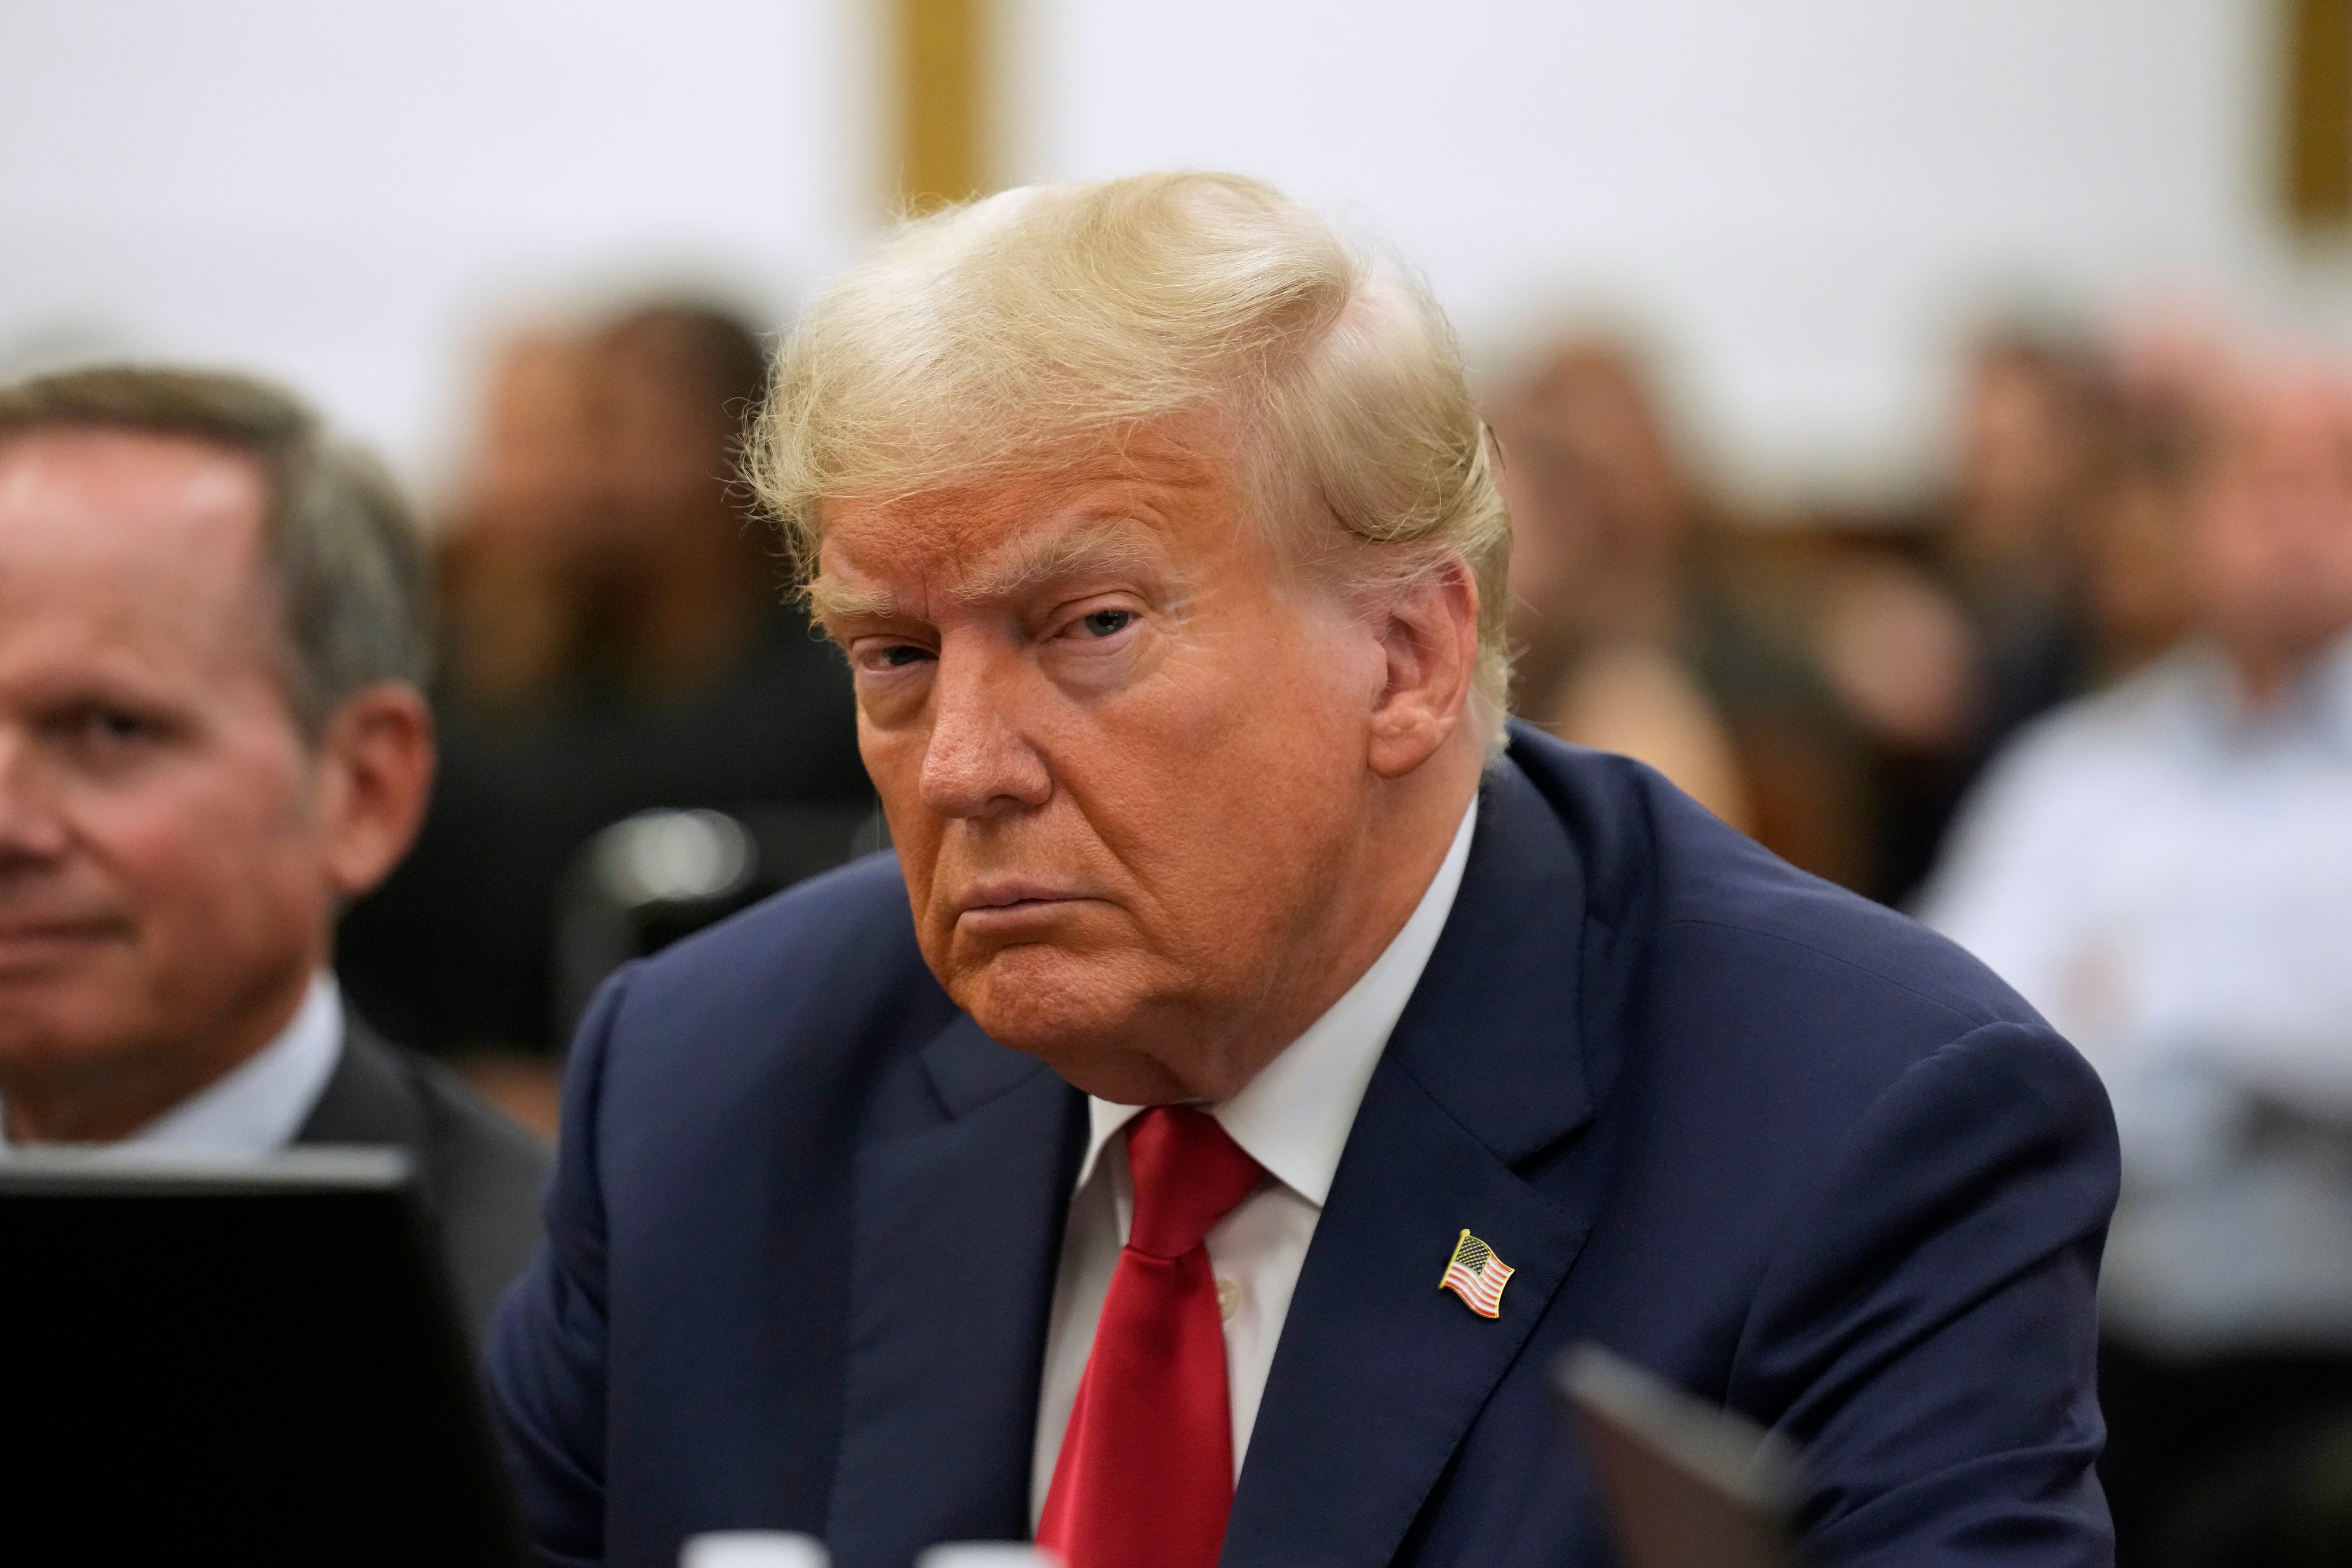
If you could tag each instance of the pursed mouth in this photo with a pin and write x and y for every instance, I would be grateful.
(989, 898)
(23, 936)
(1001, 914)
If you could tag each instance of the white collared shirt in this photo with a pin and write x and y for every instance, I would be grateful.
(1292, 1119)
(258, 1105)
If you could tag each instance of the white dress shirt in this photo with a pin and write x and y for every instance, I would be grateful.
(258, 1105)
(2167, 874)
(1292, 1119)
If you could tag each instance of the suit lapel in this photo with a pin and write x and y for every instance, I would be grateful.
(372, 1098)
(1380, 1373)
(955, 1246)
(367, 1100)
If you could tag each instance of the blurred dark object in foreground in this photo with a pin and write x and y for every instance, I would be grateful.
(252, 1361)
(2238, 1462)
(1688, 1485)
(617, 643)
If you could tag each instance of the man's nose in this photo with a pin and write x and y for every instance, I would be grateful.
(30, 826)
(976, 762)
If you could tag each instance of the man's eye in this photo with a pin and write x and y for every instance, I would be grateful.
(100, 730)
(113, 725)
(898, 656)
(1106, 623)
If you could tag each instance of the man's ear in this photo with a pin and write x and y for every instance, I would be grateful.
(1430, 637)
(375, 775)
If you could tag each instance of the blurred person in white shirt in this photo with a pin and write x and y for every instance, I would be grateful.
(2165, 870)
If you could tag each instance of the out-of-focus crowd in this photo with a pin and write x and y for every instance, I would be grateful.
(1833, 683)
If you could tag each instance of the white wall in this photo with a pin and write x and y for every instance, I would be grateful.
(1803, 197)
(343, 193)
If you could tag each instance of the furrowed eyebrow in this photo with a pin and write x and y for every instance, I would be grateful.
(833, 600)
(1108, 546)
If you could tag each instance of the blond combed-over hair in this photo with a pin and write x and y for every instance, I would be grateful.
(1000, 337)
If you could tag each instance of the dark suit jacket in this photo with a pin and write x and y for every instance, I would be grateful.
(482, 1175)
(1778, 1143)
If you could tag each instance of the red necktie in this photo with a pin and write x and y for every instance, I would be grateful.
(1145, 1479)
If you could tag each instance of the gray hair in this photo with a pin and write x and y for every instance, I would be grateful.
(350, 575)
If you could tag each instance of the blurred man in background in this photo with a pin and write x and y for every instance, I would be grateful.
(212, 638)
(619, 641)
(2166, 871)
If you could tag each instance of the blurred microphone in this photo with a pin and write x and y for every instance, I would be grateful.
(752, 1549)
(987, 1554)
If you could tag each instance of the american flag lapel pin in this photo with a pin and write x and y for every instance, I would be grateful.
(1477, 1276)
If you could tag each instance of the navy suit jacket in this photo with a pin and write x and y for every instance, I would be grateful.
(1775, 1143)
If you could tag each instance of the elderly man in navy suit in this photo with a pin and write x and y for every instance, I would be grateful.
(1088, 1171)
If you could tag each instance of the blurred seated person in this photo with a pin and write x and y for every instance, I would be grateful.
(1943, 651)
(2036, 421)
(1641, 630)
(2138, 601)
(1600, 520)
(212, 635)
(507, 609)
(2166, 871)
(661, 667)
(2137, 597)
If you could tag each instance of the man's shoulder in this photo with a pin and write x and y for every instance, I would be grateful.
(1704, 913)
(843, 935)
(1758, 1020)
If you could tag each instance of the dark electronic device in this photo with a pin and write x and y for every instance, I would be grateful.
(1685, 1485)
(251, 1362)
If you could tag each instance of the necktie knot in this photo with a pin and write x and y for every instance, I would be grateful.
(1189, 1173)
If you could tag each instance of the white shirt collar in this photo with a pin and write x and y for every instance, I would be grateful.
(2206, 705)
(258, 1105)
(1293, 1118)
